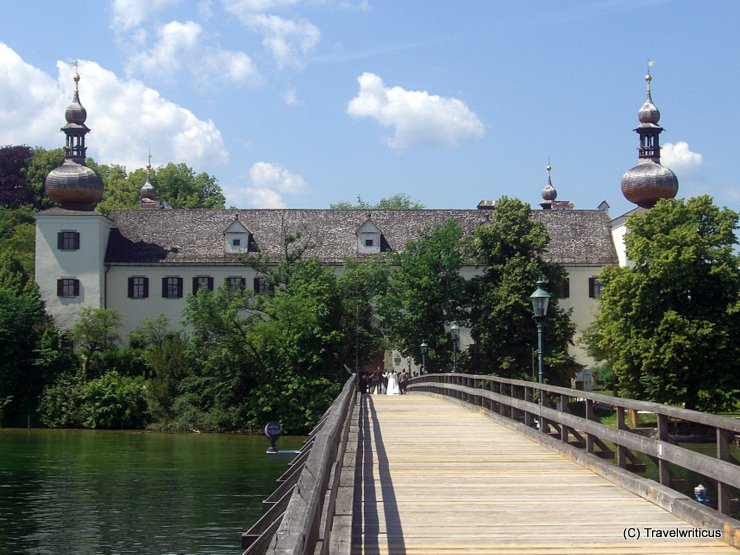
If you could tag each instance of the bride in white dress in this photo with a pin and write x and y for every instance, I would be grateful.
(393, 388)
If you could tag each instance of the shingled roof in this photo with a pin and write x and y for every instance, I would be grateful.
(197, 236)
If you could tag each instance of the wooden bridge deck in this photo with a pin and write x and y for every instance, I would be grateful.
(440, 478)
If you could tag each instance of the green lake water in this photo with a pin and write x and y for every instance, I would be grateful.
(86, 491)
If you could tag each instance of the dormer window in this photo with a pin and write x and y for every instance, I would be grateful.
(368, 238)
(236, 237)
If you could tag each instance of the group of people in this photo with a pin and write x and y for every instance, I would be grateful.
(382, 382)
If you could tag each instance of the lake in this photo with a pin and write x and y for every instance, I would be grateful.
(88, 491)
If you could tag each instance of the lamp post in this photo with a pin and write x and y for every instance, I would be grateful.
(540, 301)
(455, 333)
(424, 348)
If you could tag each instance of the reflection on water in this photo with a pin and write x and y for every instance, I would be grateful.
(83, 491)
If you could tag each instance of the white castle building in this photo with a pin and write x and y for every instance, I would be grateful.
(145, 262)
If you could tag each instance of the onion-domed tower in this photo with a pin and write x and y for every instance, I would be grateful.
(549, 194)
(649, 181)
(73, 185)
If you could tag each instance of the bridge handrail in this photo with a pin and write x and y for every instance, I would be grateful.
(300, 526)
(519, 400)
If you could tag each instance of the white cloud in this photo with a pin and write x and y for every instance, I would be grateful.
(126, 118)
(261, 197)
(269, 183)
(680, 159)
(417, 117)
(180, 46)
(290, 97)
(286, 39)
(273, 176)
(128, 14)
(32, 103)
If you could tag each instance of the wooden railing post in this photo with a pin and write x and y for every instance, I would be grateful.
(589, 416)
(528, 416)
(664, 471)
(563, 427)
(621, 451)
(724, 439)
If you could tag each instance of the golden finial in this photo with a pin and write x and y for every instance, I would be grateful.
(76, 77)
(649, 77)
(149, 162)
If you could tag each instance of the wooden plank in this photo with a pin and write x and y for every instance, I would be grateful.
(439, 478)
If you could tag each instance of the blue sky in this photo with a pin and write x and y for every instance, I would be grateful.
(301, 103)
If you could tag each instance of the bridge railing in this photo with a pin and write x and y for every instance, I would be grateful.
(297, 517)
(556, 416)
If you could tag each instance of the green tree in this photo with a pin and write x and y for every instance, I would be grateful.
(18, 236)
(120, 190)
(400, 201)
(511, 252)
(22, 323)
(669, 324)
(41, 163)
(95, 331)
(426, 293)
(360, 284)
(15, 190)
(179, 185)
(113, 401)
(276, 355)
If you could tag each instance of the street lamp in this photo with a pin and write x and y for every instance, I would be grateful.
(424, 348)
(455, 332)
(540, 301)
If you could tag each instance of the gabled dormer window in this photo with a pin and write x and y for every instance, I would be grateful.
(368, 238)
(236, 238)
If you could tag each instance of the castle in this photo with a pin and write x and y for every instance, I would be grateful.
(146, 261)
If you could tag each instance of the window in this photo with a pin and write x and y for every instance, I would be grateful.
(68, 287)
(68, 240)
(261, 286)
(236, 242)
(202, 282)
(235, 283)
(564, 289)
(594, 287)
(171, 287)
(138, 287)
(369, 242)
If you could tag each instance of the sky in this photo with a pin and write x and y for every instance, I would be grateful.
(304, 103)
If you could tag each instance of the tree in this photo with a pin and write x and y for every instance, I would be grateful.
(41, 163)
(668, 325)
(426, 293)
(177, 184)
(400, 201)
(22, 323)
(511, 250)
(14, 188)
(18, 236)
(256, 357)
(95, 332)
(360, 284)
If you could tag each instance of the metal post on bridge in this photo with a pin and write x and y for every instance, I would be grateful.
(540, 301)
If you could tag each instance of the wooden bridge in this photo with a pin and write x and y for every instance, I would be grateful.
(459, 465)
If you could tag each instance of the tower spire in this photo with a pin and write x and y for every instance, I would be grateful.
(649, 181)
(73, 184)
(549, 194)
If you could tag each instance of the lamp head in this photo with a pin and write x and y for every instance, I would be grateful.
(540, 301)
